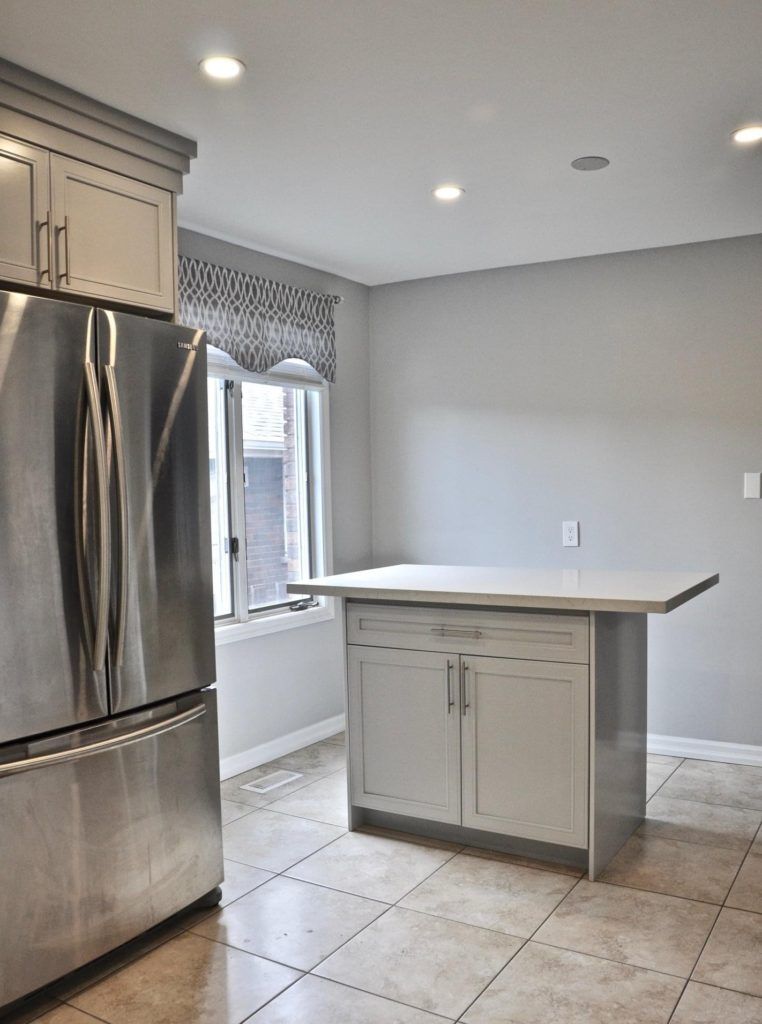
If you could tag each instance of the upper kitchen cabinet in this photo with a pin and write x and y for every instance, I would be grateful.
(24, 221)
(87, 197)
(114, 237)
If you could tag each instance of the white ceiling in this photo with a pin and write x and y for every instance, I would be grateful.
(351, 110)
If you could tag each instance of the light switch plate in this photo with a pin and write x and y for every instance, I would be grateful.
(752, 485)
(571, 534)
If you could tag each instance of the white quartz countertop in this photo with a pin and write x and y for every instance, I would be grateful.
(495, 586)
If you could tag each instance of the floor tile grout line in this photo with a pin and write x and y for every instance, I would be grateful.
(481, 992)
(430, 875)
(656, 892)
(272, 999)
(553, 868)
(249, 952)
(690, 842)
(86, 1013)
(290, 867)
(317, 885)
(456, 920)
(715, 760)
(660, 892)
(389, 999)
(523, 943)
(708, 803)
(695, 962)
(609, 960)
(291, 814)
(346, 941)
(724, 988)
(679, 999)
(662, 783)
(738, 872)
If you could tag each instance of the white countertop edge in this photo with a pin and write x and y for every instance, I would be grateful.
(503, 600)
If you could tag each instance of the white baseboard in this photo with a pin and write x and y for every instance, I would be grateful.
(279, 747)
(705, 750)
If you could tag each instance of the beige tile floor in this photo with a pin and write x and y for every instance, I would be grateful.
(321, 926)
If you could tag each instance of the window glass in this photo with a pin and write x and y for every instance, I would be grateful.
(275, 492)
(219, 489)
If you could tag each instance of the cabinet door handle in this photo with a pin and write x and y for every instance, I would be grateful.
(48, 271)
(450, 698)
(464, 702)
(67, 268)
(472, 634)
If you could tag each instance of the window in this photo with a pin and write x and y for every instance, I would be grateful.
(268, 484)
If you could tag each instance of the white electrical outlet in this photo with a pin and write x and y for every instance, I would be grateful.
(752, 485)
(571, 534)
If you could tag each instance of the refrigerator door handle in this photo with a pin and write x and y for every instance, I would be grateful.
(115, 415)
(109, 743)
(104, 530)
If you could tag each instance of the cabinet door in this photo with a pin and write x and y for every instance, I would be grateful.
(404, 727)
(113, 236)
(525, 748)
(24, 221)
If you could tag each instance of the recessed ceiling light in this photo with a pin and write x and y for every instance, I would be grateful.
(590, 163)
(751, 133)
(448, 193)
(222, 67)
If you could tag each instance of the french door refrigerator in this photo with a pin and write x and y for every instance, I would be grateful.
(109, 772)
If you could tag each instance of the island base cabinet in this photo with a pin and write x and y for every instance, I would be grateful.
(525, 749)
(404, 727)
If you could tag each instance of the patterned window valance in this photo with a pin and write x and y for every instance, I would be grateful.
(259, 323)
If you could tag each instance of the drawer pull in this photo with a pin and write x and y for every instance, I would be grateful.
(472, 634)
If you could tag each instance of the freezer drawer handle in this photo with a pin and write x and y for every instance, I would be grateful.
(100, 746)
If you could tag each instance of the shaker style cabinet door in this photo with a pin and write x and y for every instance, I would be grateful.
(405, 732)
(113, 236)
(25, 251)
(525, 749)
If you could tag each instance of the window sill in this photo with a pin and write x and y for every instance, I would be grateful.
(273, 623)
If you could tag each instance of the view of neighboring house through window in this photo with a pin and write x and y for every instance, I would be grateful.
(263, 512)
(219, 486)
(275, 491)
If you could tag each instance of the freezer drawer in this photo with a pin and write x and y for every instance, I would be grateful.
(105, 832)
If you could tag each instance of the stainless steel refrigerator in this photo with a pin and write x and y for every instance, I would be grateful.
(109, 772)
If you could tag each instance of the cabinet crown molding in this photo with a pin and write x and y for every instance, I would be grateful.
(40, 111)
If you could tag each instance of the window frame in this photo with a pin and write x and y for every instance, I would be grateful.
(244, 623)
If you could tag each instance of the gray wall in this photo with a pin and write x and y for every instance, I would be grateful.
(623, 391)
(273, 685)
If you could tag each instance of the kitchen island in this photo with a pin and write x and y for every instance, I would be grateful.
(502, 708)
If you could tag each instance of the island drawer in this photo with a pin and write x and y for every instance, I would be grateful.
(532, 636)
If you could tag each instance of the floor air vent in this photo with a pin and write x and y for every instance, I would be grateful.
(271, 781)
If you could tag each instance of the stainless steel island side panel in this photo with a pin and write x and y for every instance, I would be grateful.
(105, 832)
